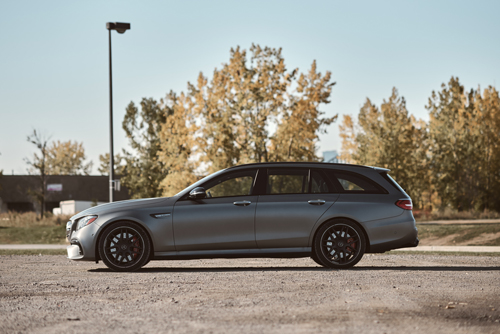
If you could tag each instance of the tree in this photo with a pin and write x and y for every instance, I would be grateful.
(252, 110)
(104, 164)
(390, 137)
(249, 96)
(38, 165)
(143, 171)
(486, 130)
(300, 123)
(67, 158)
(454, 146)
(177, 144)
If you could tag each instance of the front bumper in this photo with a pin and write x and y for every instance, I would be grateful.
(74, 252)
(83, 243)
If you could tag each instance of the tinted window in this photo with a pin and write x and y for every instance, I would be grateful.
(351, 182)
(234, 184)
(319, 184)
(287, 181)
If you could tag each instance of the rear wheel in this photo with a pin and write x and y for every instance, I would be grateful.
(339, 244)
(124, 246)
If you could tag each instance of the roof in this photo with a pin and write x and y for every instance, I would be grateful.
(296, 163)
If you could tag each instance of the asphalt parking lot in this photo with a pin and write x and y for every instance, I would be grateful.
(386, 293)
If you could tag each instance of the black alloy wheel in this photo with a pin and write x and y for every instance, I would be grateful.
(339, 244)
(124, 246)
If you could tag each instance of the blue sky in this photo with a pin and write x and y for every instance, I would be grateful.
(54, 57)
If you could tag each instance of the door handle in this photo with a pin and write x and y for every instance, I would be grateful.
(242, 203)
(316, 201)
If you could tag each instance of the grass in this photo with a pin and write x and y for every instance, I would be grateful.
(28, 228)
(33, 235)
(6, 252)
(449, 214)
(464, 233)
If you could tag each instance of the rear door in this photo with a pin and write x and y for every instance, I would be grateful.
(294, 199)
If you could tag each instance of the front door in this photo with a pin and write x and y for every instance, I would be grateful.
(223, 220)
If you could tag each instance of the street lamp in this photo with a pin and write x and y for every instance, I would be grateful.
(120, 28)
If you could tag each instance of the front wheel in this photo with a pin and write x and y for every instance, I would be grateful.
(339, 244)
(124, 246)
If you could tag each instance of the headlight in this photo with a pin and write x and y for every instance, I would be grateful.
(82, 222)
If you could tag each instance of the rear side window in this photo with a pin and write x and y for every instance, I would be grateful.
(319, 184)
(287, 181)
(355, 183)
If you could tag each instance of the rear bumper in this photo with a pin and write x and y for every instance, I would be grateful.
(393, 233)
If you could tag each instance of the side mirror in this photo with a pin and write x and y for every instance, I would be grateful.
(197, 193)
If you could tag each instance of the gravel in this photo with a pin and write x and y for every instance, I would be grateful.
(393, 293)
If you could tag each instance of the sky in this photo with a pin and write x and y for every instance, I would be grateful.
(54, 57)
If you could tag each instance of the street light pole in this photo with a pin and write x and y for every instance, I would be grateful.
(120, 28)
(111, 153)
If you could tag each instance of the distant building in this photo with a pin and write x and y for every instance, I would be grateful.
(17, 191)
(331, 156)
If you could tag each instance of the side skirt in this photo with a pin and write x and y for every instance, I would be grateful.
(235, 253)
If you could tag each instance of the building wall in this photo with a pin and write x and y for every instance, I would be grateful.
(17, 192)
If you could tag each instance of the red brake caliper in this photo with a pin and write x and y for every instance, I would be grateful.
(135, 242)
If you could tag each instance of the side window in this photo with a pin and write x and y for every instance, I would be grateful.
(319, 184)
(234, 184)
(352, 182)
(287, 181)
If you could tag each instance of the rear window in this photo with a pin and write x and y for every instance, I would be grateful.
(355, 183)
(392, 182)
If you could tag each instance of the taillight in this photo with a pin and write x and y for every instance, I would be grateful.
(405, 204)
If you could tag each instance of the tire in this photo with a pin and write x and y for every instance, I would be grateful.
(315, 259)
(124, 246)
(339, 244)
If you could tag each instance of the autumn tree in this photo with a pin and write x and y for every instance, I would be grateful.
(390, 137)
(486, 128)
(177, 143)
(118, 162)
(67, 158)
(143, 171)
(250, 95)
(454, 145)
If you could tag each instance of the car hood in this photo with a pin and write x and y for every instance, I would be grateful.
(122, 205)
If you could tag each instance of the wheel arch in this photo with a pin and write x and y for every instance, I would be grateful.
(120, 220)
(317, 228)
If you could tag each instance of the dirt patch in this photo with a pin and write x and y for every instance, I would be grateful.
(383, 294)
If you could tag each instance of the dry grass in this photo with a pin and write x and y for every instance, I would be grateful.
(461, 234)
(31, 219)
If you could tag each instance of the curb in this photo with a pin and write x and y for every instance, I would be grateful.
(40, 246)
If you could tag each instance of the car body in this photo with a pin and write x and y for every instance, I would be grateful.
(331, 212)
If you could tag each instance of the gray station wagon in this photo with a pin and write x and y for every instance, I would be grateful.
(333, 213)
